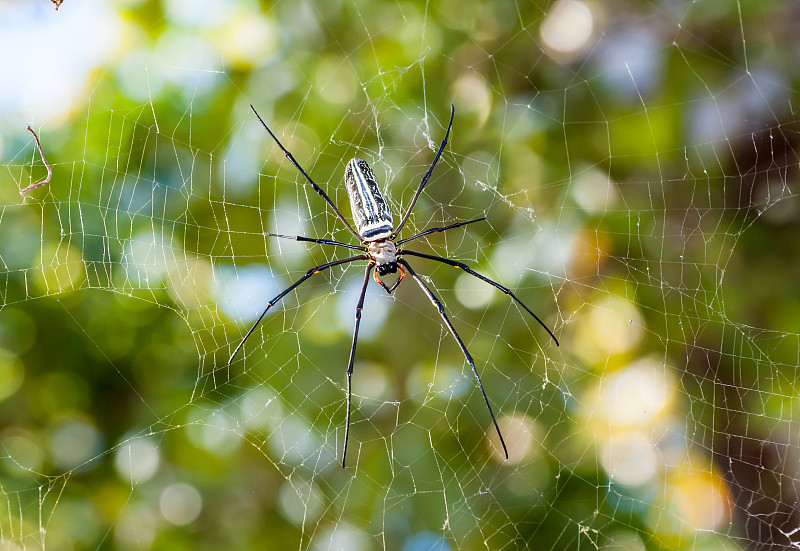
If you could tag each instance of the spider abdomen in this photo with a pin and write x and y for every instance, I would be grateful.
(371, 214)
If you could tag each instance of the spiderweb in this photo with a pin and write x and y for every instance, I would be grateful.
(636, 165)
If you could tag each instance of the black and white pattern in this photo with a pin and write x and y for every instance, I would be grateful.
(371, 214)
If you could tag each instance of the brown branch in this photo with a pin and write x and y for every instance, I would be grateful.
(57, 3)
(49, 168)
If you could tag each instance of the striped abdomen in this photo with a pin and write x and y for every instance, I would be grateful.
(371, 214)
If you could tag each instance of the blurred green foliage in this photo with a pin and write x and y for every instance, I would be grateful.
(641, 198)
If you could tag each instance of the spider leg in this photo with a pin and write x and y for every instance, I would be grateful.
(322, 241)
(318, 189)
(427, 174)
(434, 230)
(481, 277)
(437, 303)
(359, 308)
(283, 293)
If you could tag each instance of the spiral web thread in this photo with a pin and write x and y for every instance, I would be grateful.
(666, 418)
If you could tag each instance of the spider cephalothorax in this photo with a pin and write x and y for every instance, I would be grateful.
(379, 247)
(384, 254)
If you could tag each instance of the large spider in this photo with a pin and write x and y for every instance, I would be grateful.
(377, 235)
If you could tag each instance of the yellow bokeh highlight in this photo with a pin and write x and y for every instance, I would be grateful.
(522, 437)
(623, 412)
(11, 374)
(62, 268)
(692, 501)
(247, 39)
(190, 282)
(335, 81)
(635, 396)
(471, 94)
(612, 327)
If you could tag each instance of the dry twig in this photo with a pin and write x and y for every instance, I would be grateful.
(46, 164)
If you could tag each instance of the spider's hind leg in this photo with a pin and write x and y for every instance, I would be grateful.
(359, 308)
(472, 272)
(440, 307)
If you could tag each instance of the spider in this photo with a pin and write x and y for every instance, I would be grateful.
(380, 248)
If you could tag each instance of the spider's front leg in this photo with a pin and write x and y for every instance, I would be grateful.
(313, 271)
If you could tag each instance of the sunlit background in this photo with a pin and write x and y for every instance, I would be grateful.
(637, 166)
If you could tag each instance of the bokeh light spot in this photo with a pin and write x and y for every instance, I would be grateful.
(146, 258)
(180, 504)
(472, 95)
(567, 28)
(426, 541)
(636, 395)
(594, 191)
(335, 81)
(344, 537)
(137, 460)
(613, 326)
(62, 267)
(300, 503)
(12, 374)
(75, 443)
(136, 527)
(630, 458)
(23, 449)
(215, 432)
(243, 293)
(521, 436)
(472, 292)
